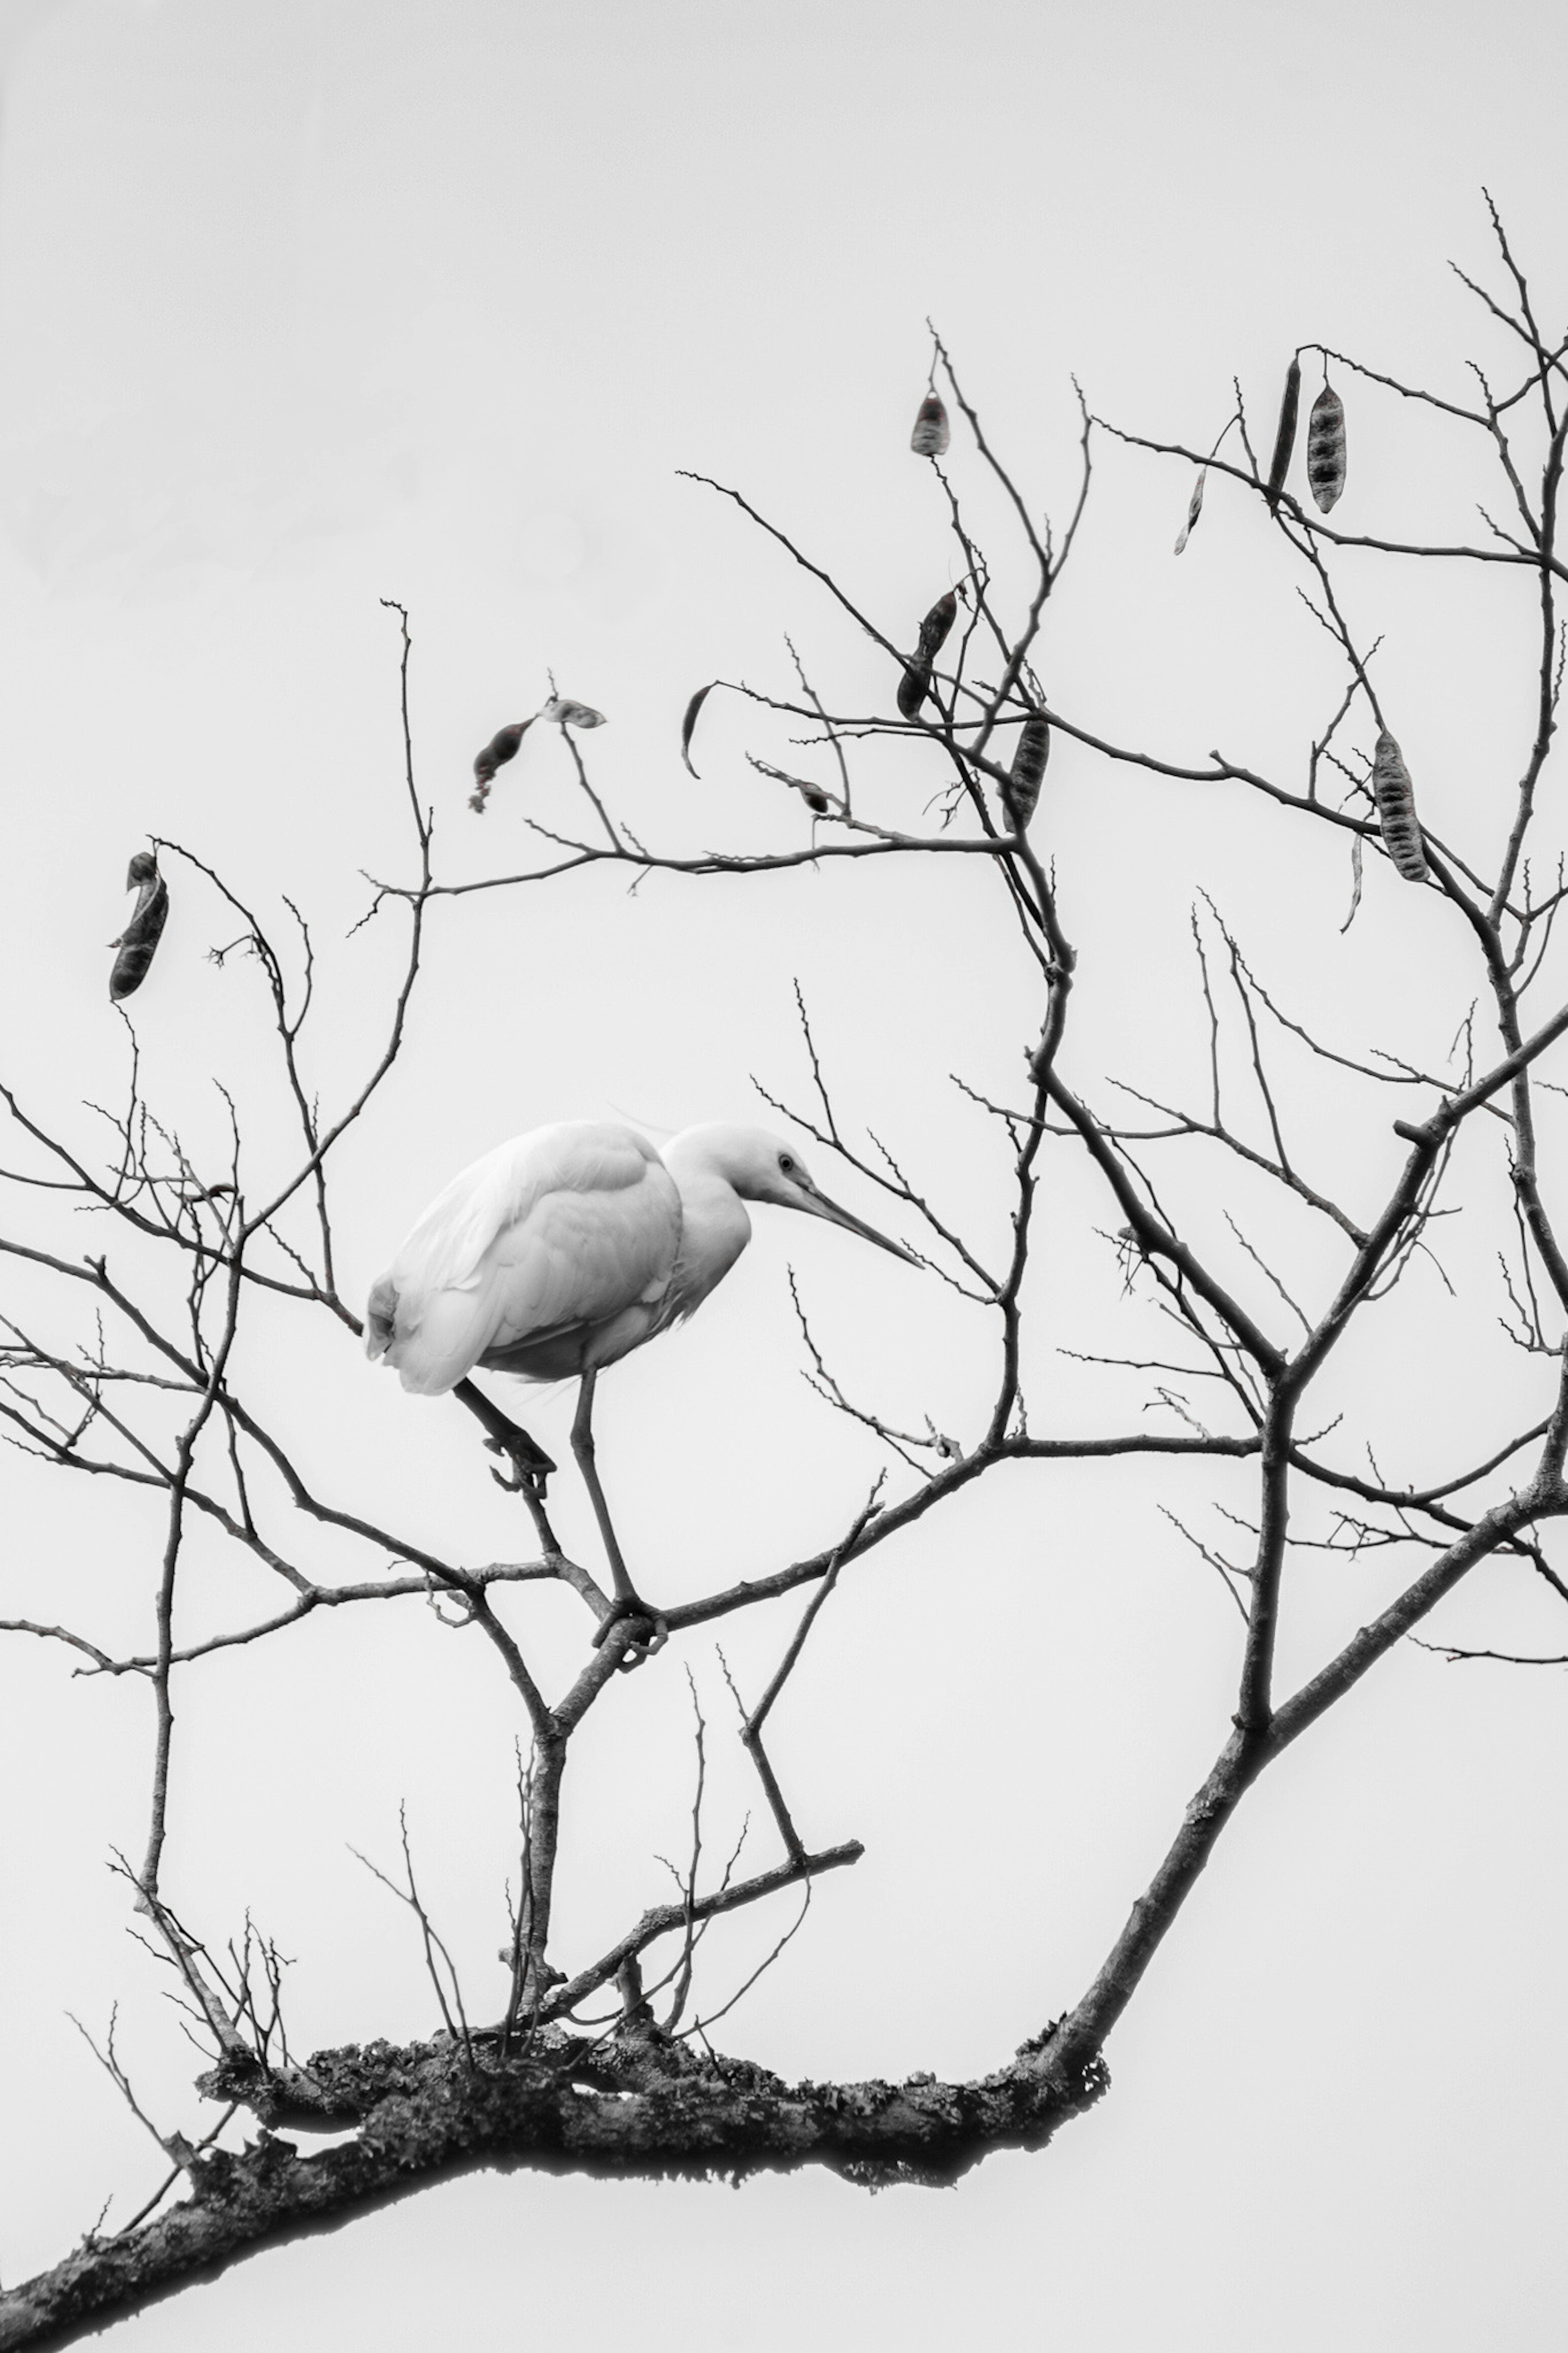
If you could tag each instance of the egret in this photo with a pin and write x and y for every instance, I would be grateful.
(560, 1252)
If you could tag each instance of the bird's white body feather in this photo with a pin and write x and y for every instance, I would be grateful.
(554, 1250)
(565, 1249)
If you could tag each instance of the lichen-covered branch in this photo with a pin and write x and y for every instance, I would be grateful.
(642, 2105)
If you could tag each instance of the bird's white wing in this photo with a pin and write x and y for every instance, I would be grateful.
(582, 1258)
(564, 1227)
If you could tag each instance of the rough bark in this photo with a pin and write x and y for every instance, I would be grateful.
(643, 2104)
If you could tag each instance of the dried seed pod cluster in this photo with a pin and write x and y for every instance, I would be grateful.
(932, 433)
(502, 747)
(915, 683)
(1396, 809)
(141, 933)
(1021, 793)
(1326, 448)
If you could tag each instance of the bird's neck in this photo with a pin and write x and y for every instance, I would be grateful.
(714, 1230)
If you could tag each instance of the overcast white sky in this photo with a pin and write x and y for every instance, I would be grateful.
(307, 305)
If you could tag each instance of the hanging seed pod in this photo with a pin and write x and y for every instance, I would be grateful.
(1021, 792)
(931, 434)
(935, 627)
(1326, 448)
(566, 713)
(141, 933)
(915, 683)
(502, 747)
(1396, 809)
(1195, 507)
(689, 721)
(815, 801)
(913, 687)
(1285, 439)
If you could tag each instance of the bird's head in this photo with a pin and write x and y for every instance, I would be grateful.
(762, 1167)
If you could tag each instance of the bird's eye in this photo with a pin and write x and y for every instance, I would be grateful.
(786, 1164)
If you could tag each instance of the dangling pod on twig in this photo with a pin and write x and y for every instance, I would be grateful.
(914, 687)
(915, 683)
(689, 721)
(935, 627)
(141, 933)
(1396, 809)
(1326, 448)
(502, 747)
(932, 433)
(1194, 509)
(1021, 792)
(1285, 439)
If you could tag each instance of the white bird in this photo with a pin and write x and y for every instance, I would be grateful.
(558, 1253)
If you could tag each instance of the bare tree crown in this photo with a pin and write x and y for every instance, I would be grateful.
(1249, 1274)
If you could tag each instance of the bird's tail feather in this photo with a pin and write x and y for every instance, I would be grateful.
(380, 1319)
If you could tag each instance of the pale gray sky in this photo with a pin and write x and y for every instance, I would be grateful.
(308, 305)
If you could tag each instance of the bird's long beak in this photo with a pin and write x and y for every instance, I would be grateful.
(817, 1204)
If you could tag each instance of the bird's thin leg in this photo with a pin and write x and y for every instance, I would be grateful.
(531, 1466)
(628, 1603)
(527, 1479)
